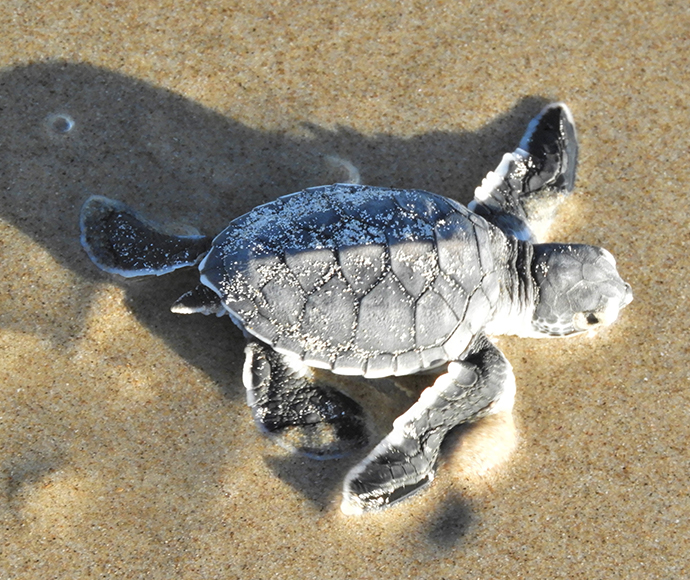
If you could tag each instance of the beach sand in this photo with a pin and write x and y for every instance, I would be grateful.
(126, 447)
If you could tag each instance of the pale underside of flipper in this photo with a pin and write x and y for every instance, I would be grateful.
(522, 195)
(119, 241)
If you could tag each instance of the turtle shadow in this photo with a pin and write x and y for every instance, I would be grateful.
(75, 130)
(30, 469)
(318, 481)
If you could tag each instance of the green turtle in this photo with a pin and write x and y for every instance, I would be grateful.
(378, 282)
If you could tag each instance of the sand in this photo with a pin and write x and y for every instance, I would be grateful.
(126, 448)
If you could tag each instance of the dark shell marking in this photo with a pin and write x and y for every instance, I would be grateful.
(357, 279)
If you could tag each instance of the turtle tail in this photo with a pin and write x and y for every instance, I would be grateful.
(120, 241)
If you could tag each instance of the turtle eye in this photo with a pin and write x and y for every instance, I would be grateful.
(591, 318)
(583, 321)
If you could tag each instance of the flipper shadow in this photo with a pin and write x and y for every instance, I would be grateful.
(446, 528)
(318, 481)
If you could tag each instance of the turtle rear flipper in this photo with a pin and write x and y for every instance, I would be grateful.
(297, 413)
(120, 241)
(521, 196)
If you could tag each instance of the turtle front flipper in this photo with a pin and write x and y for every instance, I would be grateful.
(297, 413)
(521, 196)
(120, 241)
(403, 463)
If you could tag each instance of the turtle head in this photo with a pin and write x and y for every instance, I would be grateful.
(578, 289)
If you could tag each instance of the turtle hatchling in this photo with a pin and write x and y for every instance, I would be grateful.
(379, 282)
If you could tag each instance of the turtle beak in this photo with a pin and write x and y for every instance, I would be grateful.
(627, 299)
